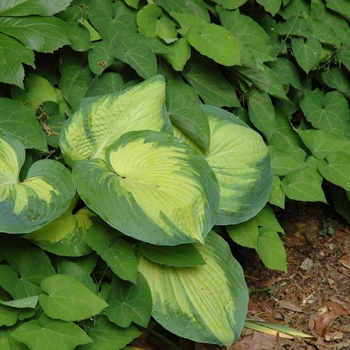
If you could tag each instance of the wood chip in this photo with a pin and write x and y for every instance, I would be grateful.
(345, 263)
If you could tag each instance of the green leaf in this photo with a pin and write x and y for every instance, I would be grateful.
(50, 334)
(329, 112)
(183, 299)
(261, 111)
(286, 72)
(266, 218)
(264, 79)
(186, 113)
(43, 196)
(8, 317)
(140, 57)
(271, 6)
(107, 336)
(37, 33)
(139, 39)
(283, 160)
(94, 34)
(335, 168)
(323, 32)
(284, 134)
(180, 52)
(245, 234)
(252, 40)
(307, 53)
(129, 302)
(37, 90)
(69, 300)
(304, 184)
(340, 6)
(112, 19)
(51, 120)
(241, 164)
(26, 129)
(116, 252)
(75, 79)
(215, 42)
(8, 5)
(65, 236)
(12, 55)
(11, 342)
(277, 195)
(192, 8)
(36, 7)
(271, 250)
(330, 18)
(205, 77)
(107, 83)
(296, 26)
(29, 266)
(322, 143)
(133, 3)
(336, 78)
(341, 200)
(152, 21)
(29, 302)
(81, 32)
(182, 255)
(146, 167)
(101, 57)
(230, 4)
(102, 120)
(81, 269)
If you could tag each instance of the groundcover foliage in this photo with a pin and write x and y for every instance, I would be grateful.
(137, 137)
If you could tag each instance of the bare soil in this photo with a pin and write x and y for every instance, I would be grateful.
(312, 297)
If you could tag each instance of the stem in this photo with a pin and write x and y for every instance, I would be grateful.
(162, 338)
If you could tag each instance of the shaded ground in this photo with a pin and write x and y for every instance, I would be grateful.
(313, 297)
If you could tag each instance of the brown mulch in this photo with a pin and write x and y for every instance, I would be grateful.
(312, 297)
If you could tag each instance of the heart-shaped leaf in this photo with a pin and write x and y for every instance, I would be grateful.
(129, 302)
(152, 187)
(115, 251)
(101, 120)
(69, 300)
(53, 334)
(42, 197)
(65, 236)
(205, 303)
(108, 336)
(240, 160)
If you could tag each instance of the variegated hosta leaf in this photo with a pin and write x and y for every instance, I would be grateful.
(241, 162)
(65, 236)
(101, 120)
(43, 196)
(206, 303)
(152, 187)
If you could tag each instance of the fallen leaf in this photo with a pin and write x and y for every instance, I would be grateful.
(290, 306)
(258, 341)
(323, 322)
(345, 305)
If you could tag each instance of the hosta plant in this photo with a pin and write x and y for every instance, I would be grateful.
(135, 200)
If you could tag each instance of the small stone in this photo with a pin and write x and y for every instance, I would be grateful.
(307, 264)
